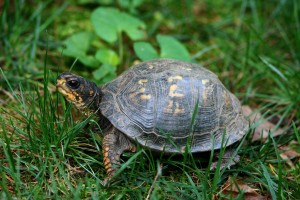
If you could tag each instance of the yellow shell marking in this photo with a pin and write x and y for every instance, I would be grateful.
(150, 67)
(186, 68)
(142, 81)
(170, 79)
(146, 96)
(204, 81)
(142, 90)
(172, 92)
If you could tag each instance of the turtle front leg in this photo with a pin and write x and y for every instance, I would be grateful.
(114, 144)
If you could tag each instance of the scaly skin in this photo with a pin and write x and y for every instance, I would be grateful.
(86, 97)
(114, 144)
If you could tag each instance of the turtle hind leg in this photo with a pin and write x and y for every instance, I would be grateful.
(114, 144)
(228, 160)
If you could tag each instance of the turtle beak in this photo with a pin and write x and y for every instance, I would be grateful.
(60, 82)
(61, 87)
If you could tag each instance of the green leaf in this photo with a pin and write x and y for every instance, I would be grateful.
(110, 22)
(145, 51)
(78, 44)
(107, 56)
(105, 24)
(104, 70)
(131, 25)
(172, 48)
(89, 61)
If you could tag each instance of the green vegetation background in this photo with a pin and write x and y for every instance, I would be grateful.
(45, 151)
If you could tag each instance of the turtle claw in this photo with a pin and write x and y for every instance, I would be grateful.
(106, 181)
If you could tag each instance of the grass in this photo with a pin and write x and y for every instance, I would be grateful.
(48, 150)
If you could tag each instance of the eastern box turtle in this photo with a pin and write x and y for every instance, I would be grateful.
(163, 105)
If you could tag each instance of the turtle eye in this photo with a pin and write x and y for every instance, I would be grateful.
(73, 84)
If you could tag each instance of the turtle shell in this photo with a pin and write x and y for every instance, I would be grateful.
(167, 104)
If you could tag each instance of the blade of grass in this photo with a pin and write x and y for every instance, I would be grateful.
(272, 186)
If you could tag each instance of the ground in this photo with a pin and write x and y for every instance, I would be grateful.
(49, 150)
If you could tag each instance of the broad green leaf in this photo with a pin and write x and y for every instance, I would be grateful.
(172, 48)
(110, 22)
(135, 34)
(89, 61)
(145, 51)
(78, 44)
(107, 56)
(104, 70)
(131, 26)
(105, 24)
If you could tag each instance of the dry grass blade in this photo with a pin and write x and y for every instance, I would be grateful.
(159, 168)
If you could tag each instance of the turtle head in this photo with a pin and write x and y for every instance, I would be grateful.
(84, 94)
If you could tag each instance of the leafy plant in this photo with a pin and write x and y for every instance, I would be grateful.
(108, 24)
(169, 48)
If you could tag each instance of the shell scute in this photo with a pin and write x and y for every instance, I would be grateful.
(163, 104)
